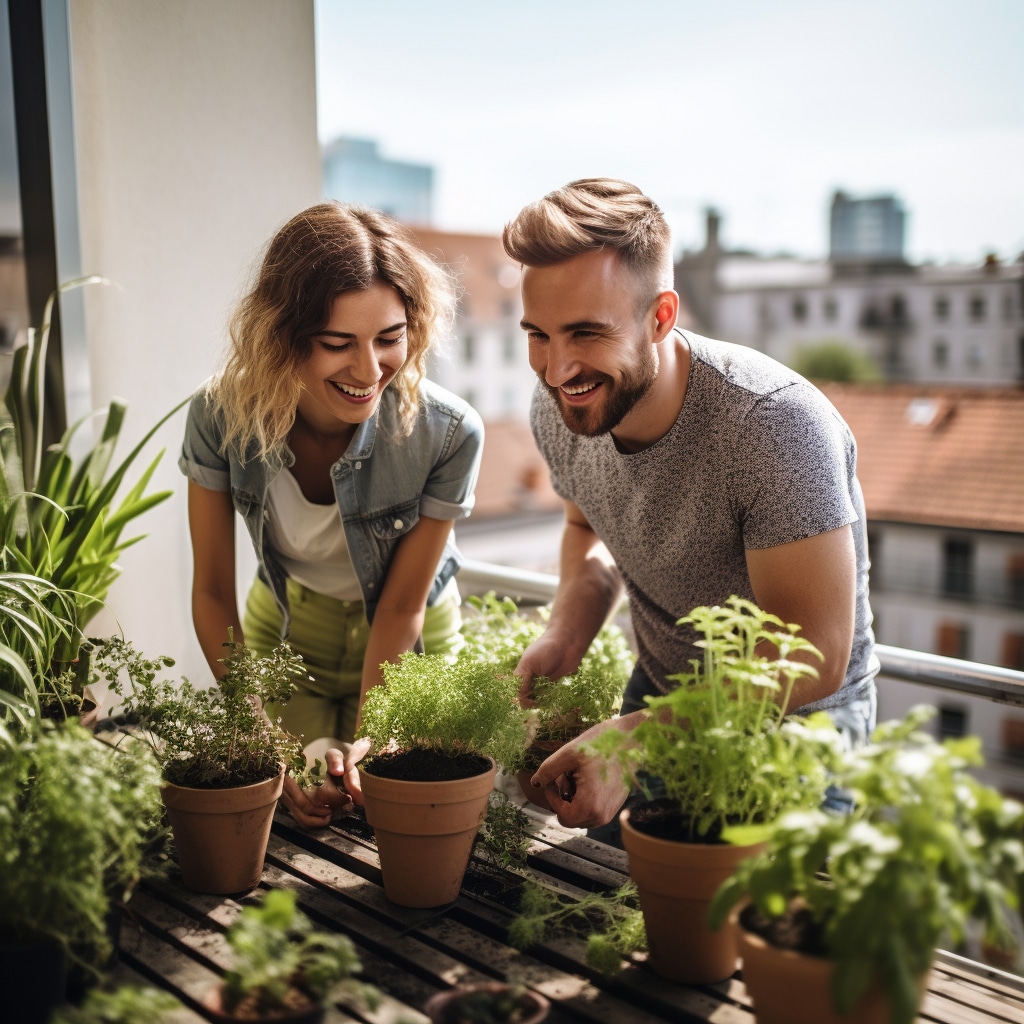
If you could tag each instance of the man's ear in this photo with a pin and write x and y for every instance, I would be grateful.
(666, 312)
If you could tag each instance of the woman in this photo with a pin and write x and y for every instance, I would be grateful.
(346, 465)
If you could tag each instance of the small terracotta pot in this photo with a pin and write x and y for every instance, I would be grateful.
(676, 882)
(537, 796)
(213, 1002)
(221, 835)
(442, 1007)
(787, 987)
(425, 833)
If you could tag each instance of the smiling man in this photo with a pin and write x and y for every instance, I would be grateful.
(691, 470)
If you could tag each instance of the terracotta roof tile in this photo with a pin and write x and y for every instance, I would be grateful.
(941, 456)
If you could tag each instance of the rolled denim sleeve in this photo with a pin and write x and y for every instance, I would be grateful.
(201, 459)
(449, 492)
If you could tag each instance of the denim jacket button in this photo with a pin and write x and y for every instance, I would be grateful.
(398, 524)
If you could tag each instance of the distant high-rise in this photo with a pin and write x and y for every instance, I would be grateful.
(355, 172)
(866, 229)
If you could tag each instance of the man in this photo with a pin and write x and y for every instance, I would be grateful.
(691, 470)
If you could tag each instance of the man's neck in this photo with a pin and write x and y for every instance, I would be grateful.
(653, 416)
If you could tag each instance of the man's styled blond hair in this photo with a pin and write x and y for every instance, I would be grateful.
(590, 215)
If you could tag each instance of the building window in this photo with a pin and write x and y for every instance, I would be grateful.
(941, 307)
(953, 640)
(977, 308)
(952, 721)
(1012, 654)
(898, 310)
(511, 348)
(831, 309)
(957, 568)
(940, 354)
(468, 348)
(1015, 579)
(799, 309)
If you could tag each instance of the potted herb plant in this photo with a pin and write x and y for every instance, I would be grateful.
(60, 517)
(719, 752)
(493, 1002)
(222, 759)
(127, 1004)
(77, 820)
(858, 903)
(284, 969)
(499, 632)
(438, 729)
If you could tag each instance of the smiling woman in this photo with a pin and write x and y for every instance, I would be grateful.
(347, 466)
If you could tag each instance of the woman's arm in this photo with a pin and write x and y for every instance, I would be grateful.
(211, 520)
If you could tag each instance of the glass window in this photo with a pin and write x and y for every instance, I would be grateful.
(941, 307)
(940, 354)
(799, 309)
(958, 568)
(977, 307)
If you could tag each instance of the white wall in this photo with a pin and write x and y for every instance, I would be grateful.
(195, 129)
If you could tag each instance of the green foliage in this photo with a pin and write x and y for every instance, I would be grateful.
(500, 1004)
(503, 838)
(277, 950)
(77, 820)
(925, 849)
(832, 360)
(458, 707)
(718, 743)
(612, 923)
(129, 1004)
(35, 619)
(498, 634)
(209, 738)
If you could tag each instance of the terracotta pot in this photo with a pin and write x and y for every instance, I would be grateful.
(425, 833)
(787, 987)
(221, 834)
(442, 1007)
(213, 1002)
(675, 882)
(537, 796)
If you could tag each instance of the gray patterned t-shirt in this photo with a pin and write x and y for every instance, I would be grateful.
(757, 457)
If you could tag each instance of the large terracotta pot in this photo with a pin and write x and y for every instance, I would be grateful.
(213, 1003)
(790, 988)
(221, 834)
(425, 833)
(675, 882)
(444, 1007)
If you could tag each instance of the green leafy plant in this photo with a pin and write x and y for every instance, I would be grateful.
(718, 744)
(487, 1003)
(498, 634)
(60, 518)
(926, 849)
(454, 707)
(129, 1004)
(611, 921)
(282, 961)
(209, 738)
(77, 822)
(504, 837)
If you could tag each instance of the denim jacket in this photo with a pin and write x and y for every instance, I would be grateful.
(383, 483)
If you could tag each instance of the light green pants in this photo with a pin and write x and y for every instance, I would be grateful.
(331, 636)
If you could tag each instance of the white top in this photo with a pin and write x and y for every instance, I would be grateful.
(310, 540)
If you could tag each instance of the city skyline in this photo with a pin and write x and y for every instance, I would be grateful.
(762, 113)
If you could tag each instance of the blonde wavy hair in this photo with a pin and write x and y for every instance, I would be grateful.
(589, 215)
(327, 250)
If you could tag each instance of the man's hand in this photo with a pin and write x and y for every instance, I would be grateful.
(314, 808)
(546, 656)
(584, 791)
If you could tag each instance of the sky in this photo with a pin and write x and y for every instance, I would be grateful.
(761, 109)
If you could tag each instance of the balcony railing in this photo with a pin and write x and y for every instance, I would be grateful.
(971, 678)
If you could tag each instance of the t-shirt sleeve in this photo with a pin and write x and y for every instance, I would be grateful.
(795, 469)
(201, 459)
(450, 489)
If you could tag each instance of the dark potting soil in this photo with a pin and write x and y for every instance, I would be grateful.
(422, 764)
(662, 819)
(795, 930)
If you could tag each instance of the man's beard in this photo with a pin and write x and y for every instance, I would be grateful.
(622, 397)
